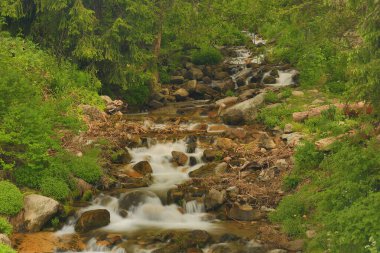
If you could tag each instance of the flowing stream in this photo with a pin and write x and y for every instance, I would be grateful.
(149, 210)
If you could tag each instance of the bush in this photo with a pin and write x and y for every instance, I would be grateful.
(271, 97)
(291, 182)
(207, 56)
(5, 227)
(11, 199)
(290, 213)
(275, 116)
(55, 188)
(307, 157)
(87, 167)
(137, 95)
(6, 249)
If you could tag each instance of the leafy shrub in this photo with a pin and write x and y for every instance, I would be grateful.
(5, 227)
(307, 157)
(55, 188)
(137, 94)
(286, 93)
(87, 167)
(291, 182)
(271, 97)
(6, 249)
(290, 213)
(207, 56)
(39, 101)
(275, 116)
(11, 198)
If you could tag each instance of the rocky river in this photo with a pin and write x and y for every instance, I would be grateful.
(193, 175)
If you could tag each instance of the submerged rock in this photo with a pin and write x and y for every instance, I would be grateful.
(134, 198)
(92, 220)
(38, 210)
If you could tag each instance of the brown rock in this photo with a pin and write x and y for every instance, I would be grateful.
(181, 94)
(266, 141)
(243, 213)
(180, 158)
(225, 144)
(92, 220)
(143, 168)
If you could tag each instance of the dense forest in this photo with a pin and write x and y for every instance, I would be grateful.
(59, 59)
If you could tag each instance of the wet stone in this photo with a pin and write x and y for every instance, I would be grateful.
(92, 220)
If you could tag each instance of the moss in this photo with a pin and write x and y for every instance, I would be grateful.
(11, 198)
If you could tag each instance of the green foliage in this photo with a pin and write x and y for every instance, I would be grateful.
(207, 56)
(55, 222)
(6, 249)
(290, 213)
(342, 198)
(271, 97)
(40, 100)
(230, 93)
(55, 188)
(291, 182)
(5, 227)
(87, 196)
(307, 157)
(137, 95)
(87, 166)
(11, 198)
(275, 116)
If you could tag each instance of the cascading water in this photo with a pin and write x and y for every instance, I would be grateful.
(148, 212)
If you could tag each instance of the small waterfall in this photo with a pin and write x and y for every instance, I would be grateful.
(194, 206)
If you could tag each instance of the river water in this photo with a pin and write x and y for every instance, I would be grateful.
(150, 212)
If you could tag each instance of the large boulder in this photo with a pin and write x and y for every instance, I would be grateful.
(38, 210)
(233, 117)
(243, 112)
(93, 219)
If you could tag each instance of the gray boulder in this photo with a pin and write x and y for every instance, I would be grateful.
(38, 210)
